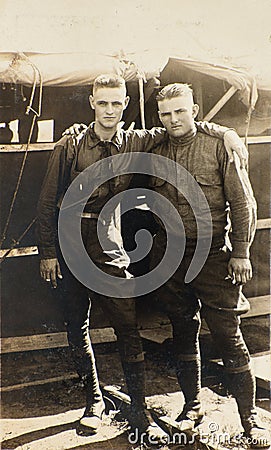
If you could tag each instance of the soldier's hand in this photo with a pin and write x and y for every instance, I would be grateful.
(50, 270)
(233, 143)
(74, 130)
(240, 270)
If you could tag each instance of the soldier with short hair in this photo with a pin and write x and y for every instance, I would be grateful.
(216, 292)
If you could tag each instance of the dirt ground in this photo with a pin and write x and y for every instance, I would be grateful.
(44, 416)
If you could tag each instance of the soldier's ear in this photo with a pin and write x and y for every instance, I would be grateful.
(91, 101)
(195, 110)
(126, 101)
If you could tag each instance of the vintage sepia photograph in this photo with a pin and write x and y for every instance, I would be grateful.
(135, 144)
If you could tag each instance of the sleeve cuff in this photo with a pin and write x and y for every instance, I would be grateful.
(240, 249)
(47, 252)
(229, 129)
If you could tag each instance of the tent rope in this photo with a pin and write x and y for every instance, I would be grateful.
(248, 119)
(141, 102)
(253, 100)
(36, 114)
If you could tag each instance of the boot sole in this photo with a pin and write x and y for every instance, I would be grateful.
(85, 430)
(190, 431)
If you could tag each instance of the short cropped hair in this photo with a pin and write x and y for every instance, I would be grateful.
(174, 90)
(108, 80)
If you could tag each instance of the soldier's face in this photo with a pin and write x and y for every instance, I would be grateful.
(177, 114)
(109, 104)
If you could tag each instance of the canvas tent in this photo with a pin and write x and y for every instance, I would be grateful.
(39, 71)
(79, 69)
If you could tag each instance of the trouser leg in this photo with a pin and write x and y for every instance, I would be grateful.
(188, 375)
(90, 379)
(76, 304)
(80, 345)
(182, 308)
(224, 326)
(77, 316)
(77, 309)
(77, 323)
(122, 314)
(242, 386)
(225, 329)
(188, 371)
(134, 373)
(140, 418)
(188, 362)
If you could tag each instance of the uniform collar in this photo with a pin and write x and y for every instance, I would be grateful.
(93, 140)
(184, 140)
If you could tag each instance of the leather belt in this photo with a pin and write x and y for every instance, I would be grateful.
(86, 215)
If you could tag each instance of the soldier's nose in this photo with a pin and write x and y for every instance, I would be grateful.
(109, 109)
(174, 118)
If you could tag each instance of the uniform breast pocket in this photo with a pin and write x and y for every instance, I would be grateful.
(212, 187)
